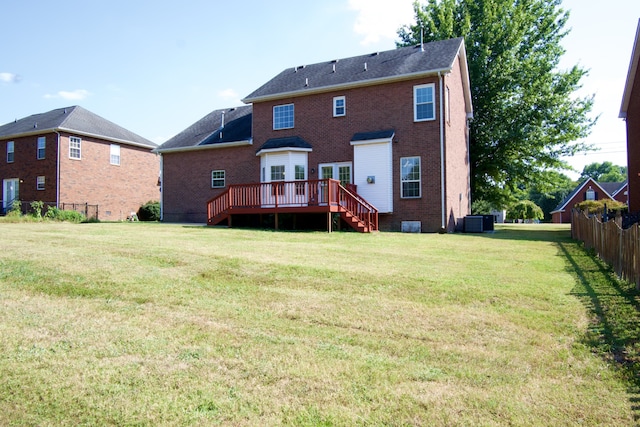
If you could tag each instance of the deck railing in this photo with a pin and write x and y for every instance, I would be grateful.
(292, 194)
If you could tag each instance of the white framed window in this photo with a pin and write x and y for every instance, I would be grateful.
(424, 106)
(447, 106)
(590, 194)
(40, 183)
(277, 173)
(339, 171)
(339, 106)
(217, 179)
(42, 144)
(75, 148)
(410, 177)
(299, 172)
(10, 151)
(114, 155)
(283, 117)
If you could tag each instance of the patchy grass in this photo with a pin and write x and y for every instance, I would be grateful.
(154, 324)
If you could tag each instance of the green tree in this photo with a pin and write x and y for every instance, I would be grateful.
(525, 210)
(550, 190)
(526, 116)
(604, 172)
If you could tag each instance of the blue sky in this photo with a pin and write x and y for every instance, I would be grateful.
(155, 67)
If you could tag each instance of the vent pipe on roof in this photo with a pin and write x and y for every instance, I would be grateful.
(221, 124)
(334, 68)
(365, 66)
(306, 82)
(35, 125)
(421, 38)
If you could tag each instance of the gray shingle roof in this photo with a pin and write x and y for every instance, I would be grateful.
(610, 189)
(364, 69)
(286, 142)
(76, 120)
(206, 131)
(368, 136)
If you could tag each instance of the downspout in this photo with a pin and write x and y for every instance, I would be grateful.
(161, 188)
(442, 176)
(58, 172)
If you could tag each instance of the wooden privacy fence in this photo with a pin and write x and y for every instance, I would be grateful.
(618, 247)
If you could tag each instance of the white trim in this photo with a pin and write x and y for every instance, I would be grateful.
(432, 86)
(283, 149)
(79, 148)
(372, 141)
(419, 196)
(344, 106)
(293, 114)
(631, 75)
(331, 88)
(206, 147)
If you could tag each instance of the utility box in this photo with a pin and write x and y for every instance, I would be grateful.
(473, 224)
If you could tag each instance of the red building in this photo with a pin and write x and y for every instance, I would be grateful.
(630, 112)
(384, 133)
(72, 156)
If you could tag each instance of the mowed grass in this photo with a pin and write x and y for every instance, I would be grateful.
(154, 324)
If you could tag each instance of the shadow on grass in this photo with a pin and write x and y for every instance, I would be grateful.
(614, 309)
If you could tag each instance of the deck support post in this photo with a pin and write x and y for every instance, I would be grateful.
(329, 221)
(276, 220)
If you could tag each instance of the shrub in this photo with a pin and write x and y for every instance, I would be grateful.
(37, 209)
(62, 215)
(16, 208)
(597, 206)
(150, 211)
(526, 210)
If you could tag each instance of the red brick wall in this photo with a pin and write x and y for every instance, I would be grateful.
(117, 189)
(27, 167)
(187, 179)
(374, 108)
(633, 145)
(457, 177)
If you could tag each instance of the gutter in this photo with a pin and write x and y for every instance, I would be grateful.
(442, 163)
(351, 85)
(205, 147)
(58, 172)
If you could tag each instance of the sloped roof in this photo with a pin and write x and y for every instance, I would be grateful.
(631, 74)
(609, 188)
(368, 136)
(223, 126)
(378, 67)
(74, 119)
(286, 142)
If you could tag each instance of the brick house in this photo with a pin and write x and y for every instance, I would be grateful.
(73, 156)
(630, 112)
(382, 135)
(588, 190)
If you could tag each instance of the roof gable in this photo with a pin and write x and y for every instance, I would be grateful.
(631, 74)
(218, 127)
(608, 188)
(76, 120)
(405, 62)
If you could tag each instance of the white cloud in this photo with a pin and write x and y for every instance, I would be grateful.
(76, 95)
(380, 19)
(9, 78)
(228, 94)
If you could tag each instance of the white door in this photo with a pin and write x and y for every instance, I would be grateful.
(9, 192)
(339, 171)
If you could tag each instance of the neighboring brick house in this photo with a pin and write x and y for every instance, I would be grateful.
(391, 127)
(73, 156)
(630, 112)
(588, 190)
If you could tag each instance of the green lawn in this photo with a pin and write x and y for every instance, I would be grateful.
(154, 324)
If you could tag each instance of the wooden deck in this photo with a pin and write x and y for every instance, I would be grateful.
(298, 197)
